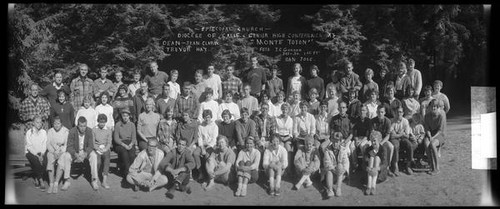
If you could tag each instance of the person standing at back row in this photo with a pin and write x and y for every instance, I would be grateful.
(415, 78)
(214, 82)
(155, 79)
(350, 80)
(256, 77)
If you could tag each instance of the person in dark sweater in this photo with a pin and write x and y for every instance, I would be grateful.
(316, 82)
(63, 109)
(50, 91)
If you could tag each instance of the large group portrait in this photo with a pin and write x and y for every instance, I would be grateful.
(250, 104)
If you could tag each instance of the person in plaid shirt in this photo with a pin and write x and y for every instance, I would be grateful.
(33, 106)
(81, 87)
(186, 102)
(233, 84)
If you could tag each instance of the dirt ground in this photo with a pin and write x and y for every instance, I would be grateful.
(456, 185)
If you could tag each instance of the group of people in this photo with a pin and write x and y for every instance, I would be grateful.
(228, 130)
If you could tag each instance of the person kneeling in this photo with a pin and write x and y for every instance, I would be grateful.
(336, 162)
(306, 162)
(247, 166)
(219, 163)
(275, 162)
(178, 163)
(144, 171)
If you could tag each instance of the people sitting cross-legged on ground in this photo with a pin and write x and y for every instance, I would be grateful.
(376, 162)
(306, 162)
(178, 165)
(144, 171)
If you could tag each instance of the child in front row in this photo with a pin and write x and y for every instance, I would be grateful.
(376, 163)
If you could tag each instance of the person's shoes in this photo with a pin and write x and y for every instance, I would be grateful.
(367, 191)
(296, 186)
(277, 192)
(170, 195)
(51, 188)
(390, 174)
(135, 188)
(244, 191)
(372, 191)
(95, 186)
(271, 192)
(330, 193)
(105, 185)
(66, 185)
(55, 189)
(396, 173)
(409, 171)
(338, 193)
(238, 192)
(308, 184)
(42, 186)
(187, 189)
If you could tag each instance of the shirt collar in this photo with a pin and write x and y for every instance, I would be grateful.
(57, 87)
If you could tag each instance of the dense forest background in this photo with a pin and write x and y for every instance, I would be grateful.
(448, 42)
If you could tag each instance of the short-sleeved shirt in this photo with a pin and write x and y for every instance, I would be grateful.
(400, 126)
(434, 123)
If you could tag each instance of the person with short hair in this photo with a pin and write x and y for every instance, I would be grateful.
(369, 86)
(284, 127)
(187, 129)
(264, 127)
(57, 138)
(376, 163)
(122, 101)
(214, 82)
(164, 101)
(341, 123)
(140, 99)
(207, 134)
(410, 105)
(209, 104)
(80, 145)
(175, 88)
(399, 134)
(336, 163)
(304, 125)
(384, 79)
(155, 79)
(332, 100)
(335, 75)
(245, 127)
(146, 171)
(34, 106)
(227, 128)
(416, 138)
(306, 162)
(81, 87)
(434, 124)
(256, 77)
(106, 109)
(350, 79)
(361, 130)
(63, 109)
(415, 78)
(275, 84)
(316, 82)
(323, 120)
(136, 83)
(118, 81)
(102, 145)
(232, 84)
(247, 166)
(382, 124)
(265, 99)
(199, 87)
(186, 102)
(372, 103)
(50, 90)
(424, 101)
(274, 163)
(353, 104)
(248, 101)
(297, 82)
(229, 105)
(87, 111)
(313, 101)
(103, 84)
(295, 104)
(178, 165)
(437, 94)
(402, 81)
(219, 163)
(280, 100)
(35, 149)
(166, 131)
(147, 124)
(391, 103)
(125, 137)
